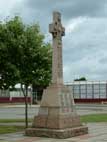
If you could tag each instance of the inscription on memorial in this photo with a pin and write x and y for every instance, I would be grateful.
(65, 102)
(43, 111)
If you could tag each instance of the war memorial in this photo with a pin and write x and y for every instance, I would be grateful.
(57, 117)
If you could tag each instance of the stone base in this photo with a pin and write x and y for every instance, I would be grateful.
(57, 117)
(57, 133)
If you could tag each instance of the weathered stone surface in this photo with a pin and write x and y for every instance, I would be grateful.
(57, 31)
(57, 133)
(57, 115)
(57, 109)
(56, 122)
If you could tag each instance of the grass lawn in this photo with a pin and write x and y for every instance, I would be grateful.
(11, 129)
(4, 129)
(84, 119)
(94, 118)
(14, 120)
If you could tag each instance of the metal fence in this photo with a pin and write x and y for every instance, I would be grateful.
(4, 93)
(90, 90)
(80, 90)
(16, 93)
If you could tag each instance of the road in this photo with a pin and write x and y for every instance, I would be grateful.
(17, 112)
(14, 112)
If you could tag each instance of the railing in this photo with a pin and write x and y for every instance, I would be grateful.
(88, 90)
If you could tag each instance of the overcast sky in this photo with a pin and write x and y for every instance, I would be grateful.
(85, 42)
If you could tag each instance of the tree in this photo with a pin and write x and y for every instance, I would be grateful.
(24, 57)
(81, 79)
(8, 71)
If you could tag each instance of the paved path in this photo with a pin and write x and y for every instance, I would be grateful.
(15, 124)
(17, 111)
(97, 133)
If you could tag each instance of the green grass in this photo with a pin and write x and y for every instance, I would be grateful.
(14, 120)
(84, 118)
(4, 129)
(94, 118)
(10, 129)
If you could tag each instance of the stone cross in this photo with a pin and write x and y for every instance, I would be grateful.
(57, 117)
(57, 32)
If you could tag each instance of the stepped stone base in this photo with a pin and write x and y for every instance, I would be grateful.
(57, 133)
(57, 117)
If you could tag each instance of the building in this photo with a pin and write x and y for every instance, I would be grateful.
(83, 91)
(89, 91)
(14, 96)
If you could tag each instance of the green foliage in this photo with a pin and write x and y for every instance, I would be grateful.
(94, 118)
(14, 120)
(8, 71)
(24, 57)
(10, 129)
(81, 79)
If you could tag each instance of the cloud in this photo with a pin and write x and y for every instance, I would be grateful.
(6, 7)
(85, 49)
(73, 24)
(84, 44)
(70, 8)
(41, 10)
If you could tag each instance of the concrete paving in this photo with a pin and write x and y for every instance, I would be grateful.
(15, 124)
(97, 133)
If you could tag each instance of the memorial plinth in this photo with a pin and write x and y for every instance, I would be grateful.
(57, 115)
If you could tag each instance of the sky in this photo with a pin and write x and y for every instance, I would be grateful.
(85, 40)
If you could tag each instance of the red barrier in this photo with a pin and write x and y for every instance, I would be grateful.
(4, 99)
(95, 100)
(22, 99)
(19, 100)
(14, 100)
